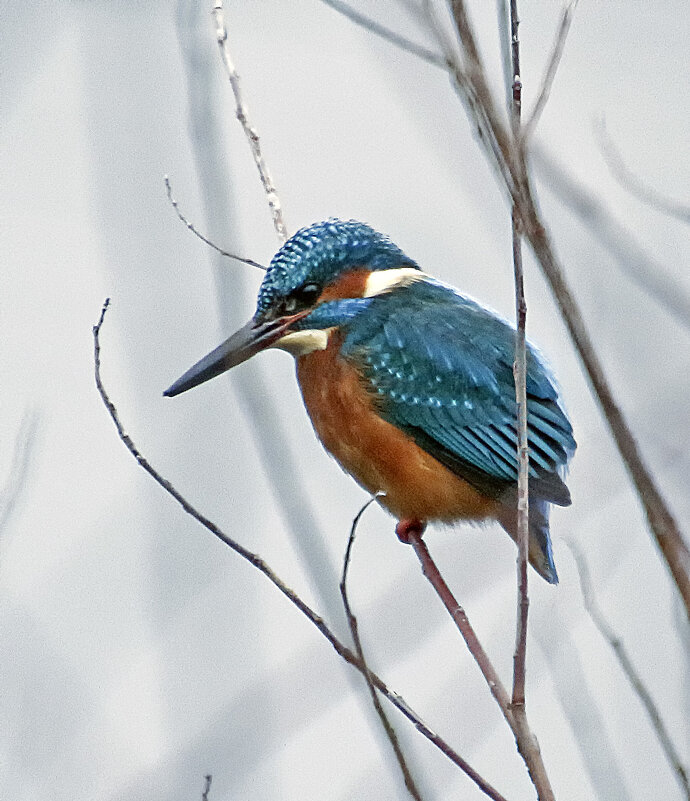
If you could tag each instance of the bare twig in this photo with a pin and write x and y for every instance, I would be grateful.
(525, 740)
(389, 35)
(503, 19)
(207, 787)
(624, 660)
(354, 629)
(250, 131)
(256, 561)
(520, 376)
(551, 70)
(197, 233)
(632, 183)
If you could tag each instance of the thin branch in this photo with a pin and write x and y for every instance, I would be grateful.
(197, 233)
(604, 627)
(520, 377)
(482, 99)
(250, 131)
(389, 35)
(529, 747)
(525, 740)
(207, 787)
(632, 183)
(666, 531)
(551, 70)
(354, 629)
(503, 18)
(256, 561)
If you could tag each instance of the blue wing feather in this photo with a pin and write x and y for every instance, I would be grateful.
(440, 366)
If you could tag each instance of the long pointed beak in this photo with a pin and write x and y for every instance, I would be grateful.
(242, 345)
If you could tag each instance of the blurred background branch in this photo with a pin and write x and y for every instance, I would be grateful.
(628, 668)
(660, 284)
(632, 183)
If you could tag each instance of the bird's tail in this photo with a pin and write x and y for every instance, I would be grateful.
(540, 554)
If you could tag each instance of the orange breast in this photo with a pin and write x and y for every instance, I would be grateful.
(380, 457)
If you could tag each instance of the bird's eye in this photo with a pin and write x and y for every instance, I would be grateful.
(302, 298)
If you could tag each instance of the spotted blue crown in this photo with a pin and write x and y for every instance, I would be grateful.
(322, 251)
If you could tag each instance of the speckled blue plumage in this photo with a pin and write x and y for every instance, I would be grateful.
(320, 252)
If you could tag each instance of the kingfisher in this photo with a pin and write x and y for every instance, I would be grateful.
(408, 383)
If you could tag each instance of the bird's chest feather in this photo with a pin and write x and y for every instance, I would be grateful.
(378, 455)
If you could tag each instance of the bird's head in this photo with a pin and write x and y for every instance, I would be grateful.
(305, 293)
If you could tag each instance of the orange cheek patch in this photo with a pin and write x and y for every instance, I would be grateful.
(380, 457)
(350, 285)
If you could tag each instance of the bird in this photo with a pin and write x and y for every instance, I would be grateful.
(408, 383)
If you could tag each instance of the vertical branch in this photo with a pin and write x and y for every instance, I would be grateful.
(250, 131)
(540, 778)
(520, 375)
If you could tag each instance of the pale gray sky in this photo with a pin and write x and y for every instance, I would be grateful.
(138, 653)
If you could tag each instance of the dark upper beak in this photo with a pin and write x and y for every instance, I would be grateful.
(242, 345)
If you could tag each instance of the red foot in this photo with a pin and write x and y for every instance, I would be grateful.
(406, 528)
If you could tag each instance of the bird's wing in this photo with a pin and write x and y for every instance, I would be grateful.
(440, 367)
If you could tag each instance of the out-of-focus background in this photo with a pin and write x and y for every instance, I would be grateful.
(138, 653)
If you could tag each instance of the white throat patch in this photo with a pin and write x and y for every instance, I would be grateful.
(299, 343)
